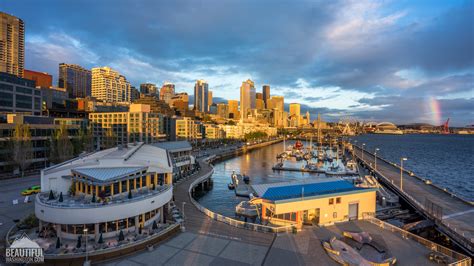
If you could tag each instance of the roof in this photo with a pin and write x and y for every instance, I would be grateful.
(108, 173)
(317, 188)
(174, 145)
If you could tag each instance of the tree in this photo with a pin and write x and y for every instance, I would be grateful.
(84, 141)
(93, 198)
(61, 197)
(22, 148)
(130, 194)
(61, 148)
(110, 139)
(154, 226)
(51, 195)
(101, 239)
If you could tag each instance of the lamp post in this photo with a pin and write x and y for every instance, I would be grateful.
(401, 172)
(363, 144)
(184, 219)
(86, 261)
(375, 158)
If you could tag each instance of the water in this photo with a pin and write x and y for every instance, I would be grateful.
(448, 160)
(258, 165)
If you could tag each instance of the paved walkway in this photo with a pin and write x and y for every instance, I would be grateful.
(457, 214)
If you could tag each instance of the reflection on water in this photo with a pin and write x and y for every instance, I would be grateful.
(258, 165)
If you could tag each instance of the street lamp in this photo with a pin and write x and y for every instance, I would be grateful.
(184, 219)
(401, 172)
(363, 144)
(86, 262)
(375, 158)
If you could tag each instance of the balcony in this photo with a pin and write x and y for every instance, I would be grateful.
(81, 210)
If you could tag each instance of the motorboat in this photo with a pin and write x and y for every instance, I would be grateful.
(231, 186)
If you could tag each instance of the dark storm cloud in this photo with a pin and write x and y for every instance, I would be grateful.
(358, 46)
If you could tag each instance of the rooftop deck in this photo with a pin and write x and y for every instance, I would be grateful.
(81, 201)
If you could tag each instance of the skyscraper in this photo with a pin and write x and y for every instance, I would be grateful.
(75, 79)
(109, 86)
(276, 102)
(12, 45)
(233, 109)
(209, 99)
(201, 96)
(149, 89)
(167, 92)
(266, 94)
(295, 113)
(247, 98)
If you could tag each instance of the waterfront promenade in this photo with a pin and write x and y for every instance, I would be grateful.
(452, 215)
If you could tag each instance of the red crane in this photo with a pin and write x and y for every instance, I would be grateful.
(446, 127)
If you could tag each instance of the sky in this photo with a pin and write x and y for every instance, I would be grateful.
(398, 61)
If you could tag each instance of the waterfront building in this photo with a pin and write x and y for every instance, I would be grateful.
(266, 95)
(76, 80)
(41, 79)
(214, 131)
(320, 202)
(247, 98)
(240, 130)
(222, 110)
(187, 128)
(41, 129)
(180, 101)
(109, 85)
(201, 96)
(233, 109)
(295, 114)
(19, 95)
(118, 189)
(276, 102)
(119, 128)
(167, 92)
(149, 89)
(231, 131)
(180, 154)
(12, 45)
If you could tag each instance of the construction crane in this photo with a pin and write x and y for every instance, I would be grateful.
(446, 127)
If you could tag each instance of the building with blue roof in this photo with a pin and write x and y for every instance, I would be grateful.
(318, 201)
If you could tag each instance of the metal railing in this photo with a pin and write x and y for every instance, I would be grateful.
(460, 259)
(444, 225)
(231, 221)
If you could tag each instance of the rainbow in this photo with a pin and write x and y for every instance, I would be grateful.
(435, 110)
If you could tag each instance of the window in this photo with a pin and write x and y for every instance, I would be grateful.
(334, 215)
(331, 201)
(338, 200)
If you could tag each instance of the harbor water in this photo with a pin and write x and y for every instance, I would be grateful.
(448, 160)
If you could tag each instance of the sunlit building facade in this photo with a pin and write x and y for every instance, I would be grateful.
(247, 98)
(12, 45)
(109, 85)
(76, 80)
(201, 96)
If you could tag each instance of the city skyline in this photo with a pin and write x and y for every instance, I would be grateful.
(399, 62)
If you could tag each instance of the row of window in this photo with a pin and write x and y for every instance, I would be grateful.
(331, 201)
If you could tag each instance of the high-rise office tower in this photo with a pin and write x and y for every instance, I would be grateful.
(247, 98)
(76, 80)
(12, 45)
(276, 102)
(167, 92)
(109, 86)
(149, 89)
(222, 110)
(266, 94)
(201, 96)
(295, 113)
(209, 98)
(180, 101)
(233, 108)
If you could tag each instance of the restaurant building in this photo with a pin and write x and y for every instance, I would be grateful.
(113, 190)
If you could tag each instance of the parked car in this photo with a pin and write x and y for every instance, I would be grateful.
(31, 190)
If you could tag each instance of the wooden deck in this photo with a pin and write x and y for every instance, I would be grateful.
(452, 215)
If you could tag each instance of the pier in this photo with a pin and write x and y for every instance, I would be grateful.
(452, 215)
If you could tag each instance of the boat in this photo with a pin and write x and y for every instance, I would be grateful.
(246, 209)
(246, 179)
(231, 186)
(389, 131)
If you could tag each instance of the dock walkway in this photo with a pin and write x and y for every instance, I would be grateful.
(452, 215)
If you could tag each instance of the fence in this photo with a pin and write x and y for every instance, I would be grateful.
(231, 221)
(460, 259)
(433, 212)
